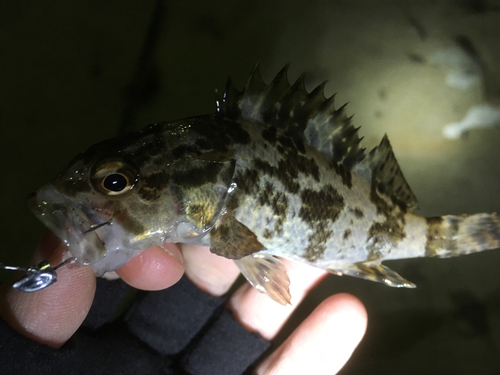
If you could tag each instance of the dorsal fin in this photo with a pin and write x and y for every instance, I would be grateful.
(314, 118)
(382, 169)
(293, 109)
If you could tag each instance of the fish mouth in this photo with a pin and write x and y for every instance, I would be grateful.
(82, 232)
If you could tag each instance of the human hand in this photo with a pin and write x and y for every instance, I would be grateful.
(325, 340)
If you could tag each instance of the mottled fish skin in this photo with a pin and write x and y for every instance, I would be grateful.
(309, 193)
(276, 171)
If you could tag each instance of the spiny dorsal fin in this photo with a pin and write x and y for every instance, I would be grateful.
(314, 117)
(332, 132)
(296, 111)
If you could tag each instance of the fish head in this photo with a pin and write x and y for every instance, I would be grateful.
(85, 206)
(124, 195)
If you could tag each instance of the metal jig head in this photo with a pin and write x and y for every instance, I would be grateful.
(42, 275)
(37, 277)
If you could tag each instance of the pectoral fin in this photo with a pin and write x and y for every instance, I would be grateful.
(375, 272)
(267, 274)
(232, 239)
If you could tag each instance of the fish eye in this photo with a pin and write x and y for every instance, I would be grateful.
(114, 178)
(115, 182)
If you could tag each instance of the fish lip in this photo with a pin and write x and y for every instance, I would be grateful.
(69, 222)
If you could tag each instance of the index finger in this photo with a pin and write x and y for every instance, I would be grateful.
(50, 316)
(323, 342)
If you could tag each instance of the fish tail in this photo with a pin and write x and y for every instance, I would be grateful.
(455, 235)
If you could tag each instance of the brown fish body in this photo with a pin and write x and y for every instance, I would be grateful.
(276, 171)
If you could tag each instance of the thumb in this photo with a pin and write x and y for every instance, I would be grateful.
(51, 316)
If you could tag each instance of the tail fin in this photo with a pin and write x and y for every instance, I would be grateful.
(451, 235)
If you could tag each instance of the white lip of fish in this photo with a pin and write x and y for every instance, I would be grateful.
(85, 235)
(89, 239)
(92, 239)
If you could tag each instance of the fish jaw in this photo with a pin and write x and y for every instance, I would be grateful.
(104, 249)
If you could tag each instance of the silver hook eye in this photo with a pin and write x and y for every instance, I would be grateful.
(38, 277)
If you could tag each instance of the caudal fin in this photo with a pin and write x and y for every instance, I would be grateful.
(454, 235)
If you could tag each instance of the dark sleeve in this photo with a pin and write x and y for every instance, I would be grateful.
(180, 330)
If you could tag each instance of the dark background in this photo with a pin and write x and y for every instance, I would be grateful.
(74, 73)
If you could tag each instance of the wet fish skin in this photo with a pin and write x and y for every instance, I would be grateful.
(276, 171)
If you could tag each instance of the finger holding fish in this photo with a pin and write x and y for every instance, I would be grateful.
(258, 313)
(209, 272)
(324, 340)
(254, 310)
(153, 269)
(215, 275)
(52, 315)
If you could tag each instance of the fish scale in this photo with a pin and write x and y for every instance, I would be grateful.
(277, 171)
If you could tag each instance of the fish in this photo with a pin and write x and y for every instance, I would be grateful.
(275, 172)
